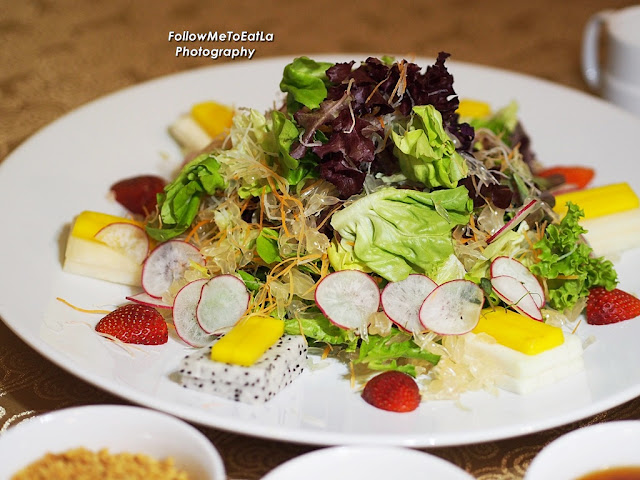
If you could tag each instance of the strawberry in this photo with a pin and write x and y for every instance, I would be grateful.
(138, 194)
(135, 323)
(611, 306)
(394, 391)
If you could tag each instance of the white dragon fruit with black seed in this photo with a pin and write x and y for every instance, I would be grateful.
(276, 369)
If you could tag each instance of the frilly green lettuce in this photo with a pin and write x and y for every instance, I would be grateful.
(395, 232)
(568, 264)
(426, 153)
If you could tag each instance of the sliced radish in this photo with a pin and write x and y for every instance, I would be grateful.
(184, 315)
(453, 308)
(223, 301)
(348, 298)
(513, 268)
(401, 301)
(167, 263)
(515, 221)
(145, 299)
(129, 239)
(514, 294)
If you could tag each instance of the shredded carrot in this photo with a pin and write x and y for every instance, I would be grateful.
(195, 229)
(326, 351)
(576, 327)
(333, 210)
(83, 310)
(353, 375)
(262, 206)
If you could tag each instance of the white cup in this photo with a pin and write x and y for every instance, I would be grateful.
(618, 78)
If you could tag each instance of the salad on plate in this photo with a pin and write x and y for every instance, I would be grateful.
(371, 216)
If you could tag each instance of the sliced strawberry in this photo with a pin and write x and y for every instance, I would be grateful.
(576, 177)
(138, 194)
(605, 307)
(135, 323)
(393, 391)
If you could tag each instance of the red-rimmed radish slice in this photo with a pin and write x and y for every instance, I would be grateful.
(401, 301)
(348, 298)
(223, 301)
(144, 298)
(515, 221)
(513, 268)
(453, 308)
(514, 294)
(166, 263)
(129, 239)
(184, 315)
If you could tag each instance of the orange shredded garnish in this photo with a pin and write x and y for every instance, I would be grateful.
(195, 229)
(326, 351)
(333, 210)
(83, 310)
(576, 327)
(353, 375)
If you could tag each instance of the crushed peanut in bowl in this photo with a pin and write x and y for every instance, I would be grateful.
(84, 464)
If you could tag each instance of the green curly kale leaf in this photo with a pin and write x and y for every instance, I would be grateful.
(568, 263)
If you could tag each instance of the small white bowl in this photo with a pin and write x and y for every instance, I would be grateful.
(370, 462)
(587, 450)
(118, 428)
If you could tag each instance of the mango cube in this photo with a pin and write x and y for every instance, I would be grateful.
(518, 332)
(248, 340)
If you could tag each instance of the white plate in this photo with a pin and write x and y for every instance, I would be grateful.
(116, 428)
(70, 165)
(587, 450)
(370, 462)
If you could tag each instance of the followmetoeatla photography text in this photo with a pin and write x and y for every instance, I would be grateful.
(243, 43)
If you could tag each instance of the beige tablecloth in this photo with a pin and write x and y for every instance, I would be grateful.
(55, 56)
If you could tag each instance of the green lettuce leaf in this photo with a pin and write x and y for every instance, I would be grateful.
(383, 353)
(305, 81)
(395, 232)
(179, 202)
(319, 329)
(251, 282)
(503, 122)
(426, 153)
(267, 245)
(566, 261)
(283, 133)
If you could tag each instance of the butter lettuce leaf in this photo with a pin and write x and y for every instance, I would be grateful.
(425, 151)
(305, 81)
(566, 261)
(395, 232)
(179, 202)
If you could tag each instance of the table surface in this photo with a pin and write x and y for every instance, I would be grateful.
(58, 55)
